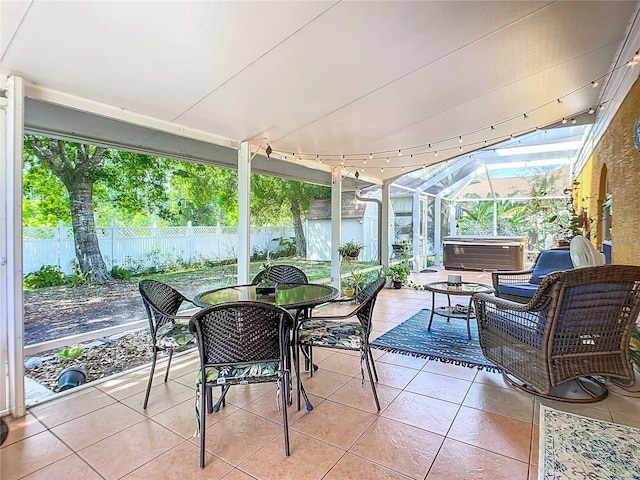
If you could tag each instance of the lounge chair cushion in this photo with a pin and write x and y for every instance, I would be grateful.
(518, 290)
(550, 261)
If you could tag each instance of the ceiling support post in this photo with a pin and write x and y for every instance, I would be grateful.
(336, 224)
(11, 302)
(244, 212)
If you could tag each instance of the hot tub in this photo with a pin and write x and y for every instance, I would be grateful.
(484, 253)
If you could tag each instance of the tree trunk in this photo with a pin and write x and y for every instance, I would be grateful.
(301, 242)
(84, 231)
(77, 167)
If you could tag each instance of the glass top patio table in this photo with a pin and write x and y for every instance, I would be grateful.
(289, 296)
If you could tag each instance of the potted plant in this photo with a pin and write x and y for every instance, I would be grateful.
(266, 285)
(350, 250)
(398, 273)
(349, 290)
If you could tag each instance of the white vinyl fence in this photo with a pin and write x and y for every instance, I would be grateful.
(144, 247)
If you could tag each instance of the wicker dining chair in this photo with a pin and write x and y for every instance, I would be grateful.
(169, 331)
(576, 327)
(282, 273)
(241, 343)
(342, 333)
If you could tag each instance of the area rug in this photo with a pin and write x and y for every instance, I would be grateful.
(446, 342)
(573, 447)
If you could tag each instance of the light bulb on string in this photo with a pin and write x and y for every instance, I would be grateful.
(370, 156)
(381, 169)
(592, 111)
(435, 154)
(460, 139)
(573, 121)
(559, 101)
(594, 84)
(399, 153)
(387, 159)
(564, 120)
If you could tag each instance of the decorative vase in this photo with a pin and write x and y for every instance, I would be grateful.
(349, 292)
(397, 284)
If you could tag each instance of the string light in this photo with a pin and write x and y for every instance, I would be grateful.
(382, 169)
(595, 83)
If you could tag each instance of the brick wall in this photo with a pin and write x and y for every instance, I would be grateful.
(616, 156)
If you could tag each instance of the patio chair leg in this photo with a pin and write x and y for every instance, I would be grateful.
(373, 385)
(373, 364)
(285, 421)
(166, 373)
(203, 420)
(153, 368)
(221, 400)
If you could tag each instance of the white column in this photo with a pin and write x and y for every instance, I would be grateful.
(452, 219)
(244, 213)
(336, 223)
(386, 223)
(415, 222)
(11, 304)
(437, 230)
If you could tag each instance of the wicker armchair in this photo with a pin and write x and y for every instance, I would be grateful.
(339, 332)
(520, 285)
(169, 331)
(241, 343)
(282, 274)
(576, 326)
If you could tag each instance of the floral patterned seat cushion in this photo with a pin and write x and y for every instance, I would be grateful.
(332, 333)
(220, 375)
(176, 336)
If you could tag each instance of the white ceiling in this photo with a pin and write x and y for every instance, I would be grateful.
(326, 79)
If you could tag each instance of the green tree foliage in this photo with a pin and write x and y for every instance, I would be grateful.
(272, 196)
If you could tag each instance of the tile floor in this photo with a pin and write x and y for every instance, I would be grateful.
(438, 421)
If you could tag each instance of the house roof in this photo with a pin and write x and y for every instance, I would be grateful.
(320, 208)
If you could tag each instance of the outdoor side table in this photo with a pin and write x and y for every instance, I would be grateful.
(455, 311)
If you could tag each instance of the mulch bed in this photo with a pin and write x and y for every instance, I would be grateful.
(62, 311)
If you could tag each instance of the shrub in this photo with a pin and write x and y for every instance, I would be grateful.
(121, 273)
(71, 354)
(47, 276)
